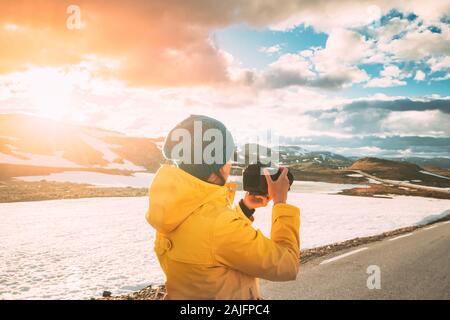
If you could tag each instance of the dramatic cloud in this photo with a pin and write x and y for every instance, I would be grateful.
(386, 118)
(150, 42)
(392, 146)
(331, 67)
(164, 43)
(140, 66)
(421, 43)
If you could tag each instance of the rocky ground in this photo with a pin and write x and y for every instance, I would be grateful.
(388, 190)
(15, 190)
(148, 293)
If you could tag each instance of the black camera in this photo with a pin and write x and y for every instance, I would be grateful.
(255, 182)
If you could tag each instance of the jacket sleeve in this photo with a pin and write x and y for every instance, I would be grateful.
(239, 246)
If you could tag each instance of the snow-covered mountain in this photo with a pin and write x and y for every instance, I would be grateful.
(324, 159)
(31, 141)
(291, 150)
(295, 155)
(28, 142)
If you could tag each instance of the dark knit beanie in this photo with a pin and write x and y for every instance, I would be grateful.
(192, 161)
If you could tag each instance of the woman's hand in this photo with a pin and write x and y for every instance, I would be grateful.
(255, 201)
(279, 188)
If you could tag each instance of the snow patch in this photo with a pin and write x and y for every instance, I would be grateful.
(434, 174)
(109, 155)
(137, 180)
(55, 160)
(101, 146)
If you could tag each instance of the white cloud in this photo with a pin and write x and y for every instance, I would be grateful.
(325, 15)
(394, 27)
(323, 68)
(360, 151)
(295, 63)
(428, 122)
(420, 43)
(430, 11)
(390, 76)
(270, 50)
(336, 61)
(346, 46)
(403, 40)
(390, 72)
(384, 83)
(438, 64)
(331, 67)
(307, 53)
(420, 75)
(391, 117)
(445, 77)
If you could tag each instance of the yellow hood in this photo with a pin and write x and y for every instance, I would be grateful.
(175, 194)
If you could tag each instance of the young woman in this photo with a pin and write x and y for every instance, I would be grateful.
(207, 247)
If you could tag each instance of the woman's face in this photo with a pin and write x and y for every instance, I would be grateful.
(225, 170)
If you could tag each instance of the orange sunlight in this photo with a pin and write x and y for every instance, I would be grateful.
(49, 92)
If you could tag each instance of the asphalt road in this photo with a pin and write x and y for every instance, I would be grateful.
(411, 266)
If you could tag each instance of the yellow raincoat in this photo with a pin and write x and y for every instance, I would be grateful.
(209, 250)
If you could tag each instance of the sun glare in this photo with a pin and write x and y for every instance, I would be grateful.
(11, 27)
(49, 92)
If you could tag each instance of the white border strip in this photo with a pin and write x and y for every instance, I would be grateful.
(343, 255)
(431, 227)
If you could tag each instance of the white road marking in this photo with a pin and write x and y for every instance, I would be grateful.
(428, 228)
(343, 255)
(402, 236)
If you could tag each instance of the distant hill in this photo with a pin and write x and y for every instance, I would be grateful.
(400, 171)
(31, 145)
(295, 156)
(381, 167)
(322, 159)
(251, 152)
(427, 162)
(31, 141)
(305, 165)
(291, 151)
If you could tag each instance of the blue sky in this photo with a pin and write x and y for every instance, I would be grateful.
(247, 44)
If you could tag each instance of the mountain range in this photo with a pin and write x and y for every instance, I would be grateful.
(31, 145)
(31, 141)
